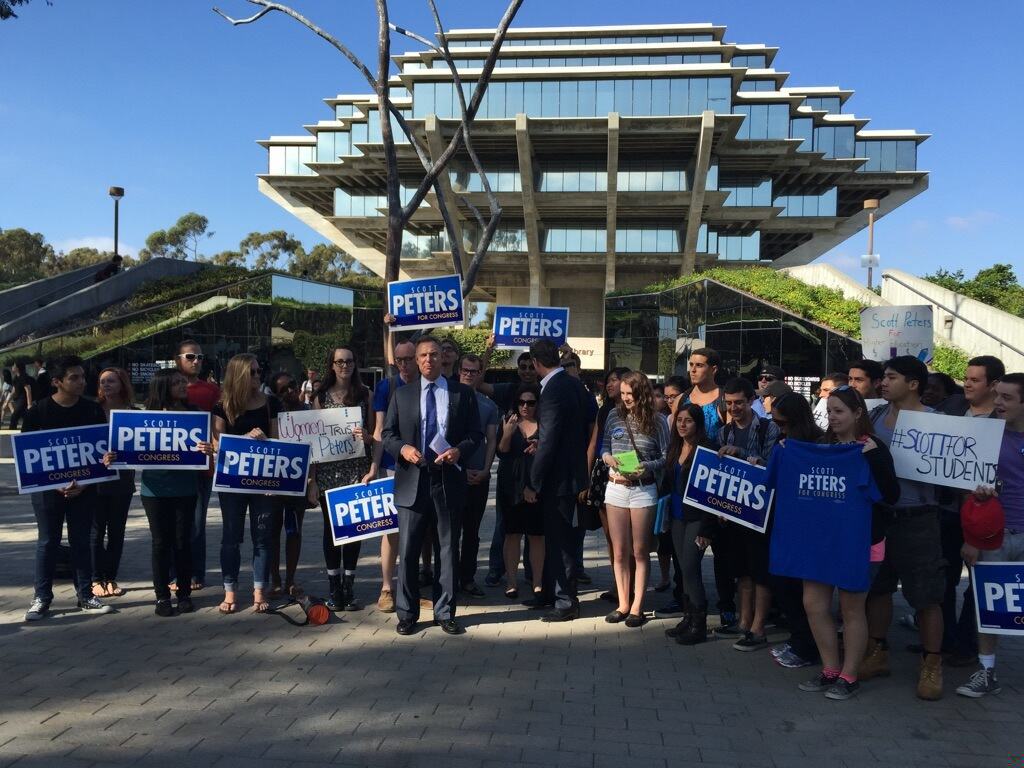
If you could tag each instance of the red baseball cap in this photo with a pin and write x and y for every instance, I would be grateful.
(983, 522)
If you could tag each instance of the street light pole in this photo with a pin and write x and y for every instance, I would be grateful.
(117, 193)
(871, 206)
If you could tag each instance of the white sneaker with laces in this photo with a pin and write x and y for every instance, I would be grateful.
(38, 610)
(95, 605)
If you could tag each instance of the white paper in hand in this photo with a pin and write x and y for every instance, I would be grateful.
(439, 445)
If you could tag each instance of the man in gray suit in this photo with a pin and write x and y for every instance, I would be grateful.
(429, 425)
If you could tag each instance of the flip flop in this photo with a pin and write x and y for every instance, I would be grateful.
(226, 607)
(260, 607)
(99, 585)
(113, 590)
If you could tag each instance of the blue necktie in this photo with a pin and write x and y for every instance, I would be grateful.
(431, 425)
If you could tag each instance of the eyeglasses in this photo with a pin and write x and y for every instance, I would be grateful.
(527, 403)
(345, 361)
(405, 360)
(469, 371)
(192, 356)
(672, 398)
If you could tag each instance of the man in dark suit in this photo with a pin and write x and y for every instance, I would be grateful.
(558, 474)
(429, 425)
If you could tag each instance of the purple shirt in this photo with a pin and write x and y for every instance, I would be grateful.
(1011, 474)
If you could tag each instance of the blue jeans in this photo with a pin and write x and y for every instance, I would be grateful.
(233, 507)
(199, 529)
(496, 555)
(51, 510)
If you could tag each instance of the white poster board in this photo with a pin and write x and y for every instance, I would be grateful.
(328, 431)
(954, 451)
(887, 332)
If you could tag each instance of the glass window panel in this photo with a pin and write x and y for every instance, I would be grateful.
(778, 121)
(587, 98)
(571, 180)
(844, 141)
(567, 96)
(277, 161)
(291, 161)
(803, 129)
(549, 98)
(824, 141)
(666, 241)
(679, 96)
(532, 97)
(443, 95)
(642, 97)
(698, 95)
(648, 240)
(633, 240)
(573, 240)
(653, 180)
(422, 99)
(624, 97)
(719, 94)
(589, 241)
(497, 107)
(513, 98)
(906, 155)
(556, 240)
(827, 204)
(605, 97)
(888, 157)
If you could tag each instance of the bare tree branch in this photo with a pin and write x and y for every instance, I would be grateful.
(413, 36)
(237, 22)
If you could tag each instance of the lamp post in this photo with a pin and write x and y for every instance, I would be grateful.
(870, 261)
(117, 193)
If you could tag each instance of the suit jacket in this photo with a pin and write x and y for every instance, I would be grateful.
(560, 463)
(402, 427)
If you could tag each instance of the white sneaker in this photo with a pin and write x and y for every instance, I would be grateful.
(38, 610)
(94, 605)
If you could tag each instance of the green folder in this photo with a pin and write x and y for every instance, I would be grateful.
(629, 462)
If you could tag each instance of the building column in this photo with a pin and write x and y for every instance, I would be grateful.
(436, 146)
(613, 201)
(531, 218)
(701, 163)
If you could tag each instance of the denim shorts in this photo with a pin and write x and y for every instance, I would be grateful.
(913, 558)
(631, 496)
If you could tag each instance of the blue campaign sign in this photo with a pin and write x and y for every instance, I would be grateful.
(53, 458)
(427, 302)
(159, 439)
(518, 327)
(245, 465)
(726, 486)
(362, 511)
(999, 598)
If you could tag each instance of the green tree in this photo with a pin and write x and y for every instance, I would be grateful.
(996, 286)
(325, 262)
(265, 249)
(7, 8)
(225, 259)
(23, 255)
(81, 257)
(180, 241)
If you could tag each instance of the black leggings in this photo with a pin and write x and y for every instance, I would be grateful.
(684, 537)
(347, 555)
(170, 523)
(108, 523)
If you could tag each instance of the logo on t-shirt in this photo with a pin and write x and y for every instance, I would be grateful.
(821, 483)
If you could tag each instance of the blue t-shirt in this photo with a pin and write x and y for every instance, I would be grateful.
(381, 397)
(823, 500)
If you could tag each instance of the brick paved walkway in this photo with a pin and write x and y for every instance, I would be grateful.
(254, 692)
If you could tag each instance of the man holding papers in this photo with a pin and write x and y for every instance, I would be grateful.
(428, 428)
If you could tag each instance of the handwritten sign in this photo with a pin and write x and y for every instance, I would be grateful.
(518, 327)
(159, 439)
(54, 458)
(729, 487)
(999, 598)
(245, 465)
(327, 431)
(362, 511)
(427, 302)
(887, 332)
(954, 451)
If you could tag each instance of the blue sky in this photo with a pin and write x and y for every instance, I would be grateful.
(167, 100)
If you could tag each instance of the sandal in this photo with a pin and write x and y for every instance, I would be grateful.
(511, 593)
(113, 590)
(99, 589)
(259, 604)
(228, 605)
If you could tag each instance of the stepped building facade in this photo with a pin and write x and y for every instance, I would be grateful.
(621, 156)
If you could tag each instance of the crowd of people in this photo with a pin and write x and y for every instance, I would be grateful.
(569, 463)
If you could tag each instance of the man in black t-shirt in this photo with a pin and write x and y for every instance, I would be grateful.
(23, 393)
(65, 408)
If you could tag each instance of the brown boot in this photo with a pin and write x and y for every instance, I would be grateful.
(876, 661)
(929, 684)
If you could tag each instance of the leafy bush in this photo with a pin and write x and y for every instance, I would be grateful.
(166, 289)
(951, 361)
(312, 349)
(474, 341)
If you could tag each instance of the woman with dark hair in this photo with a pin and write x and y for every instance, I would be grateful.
(169, 498)
(795, 419)
(244, 410)
(343, 388)
(631, 495)
(692, 528)
(114, 498)
(518, 433)
(849, 535)
(289, 511)
(941, 388)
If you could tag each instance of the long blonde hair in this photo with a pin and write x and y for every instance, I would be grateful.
(237, 388)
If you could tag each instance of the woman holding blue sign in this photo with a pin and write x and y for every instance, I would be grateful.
(111, 515)
(635, 442)
(829, 531)
(169, 498)
(343, 388)
(245, 411)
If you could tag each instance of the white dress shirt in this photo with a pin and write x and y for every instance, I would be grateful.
(551, 375)
(441, 398)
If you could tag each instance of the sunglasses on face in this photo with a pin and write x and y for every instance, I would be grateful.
(527, 403)
(766, 377)
(192, 356)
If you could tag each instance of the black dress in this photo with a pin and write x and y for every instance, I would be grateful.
(518, 516)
